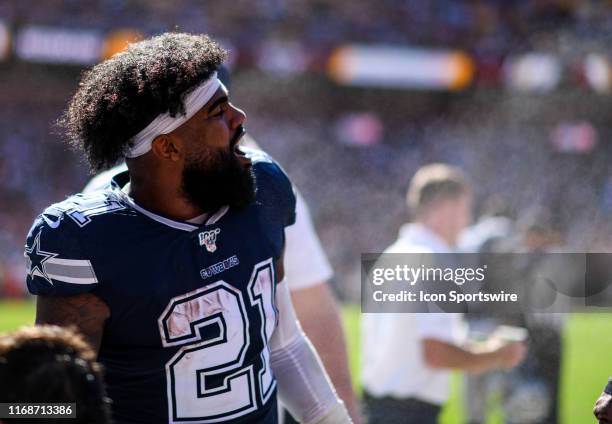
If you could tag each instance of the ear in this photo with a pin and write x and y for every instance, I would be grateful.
(167, 147)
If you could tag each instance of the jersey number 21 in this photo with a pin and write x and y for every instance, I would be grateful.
(191, 395)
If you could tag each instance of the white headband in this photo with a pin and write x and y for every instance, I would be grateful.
(164, 124)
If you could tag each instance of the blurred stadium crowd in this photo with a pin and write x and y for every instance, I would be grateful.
(351, 150)
(492, 25)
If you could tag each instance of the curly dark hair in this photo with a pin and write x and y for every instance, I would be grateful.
(119, 97)
(51, 364)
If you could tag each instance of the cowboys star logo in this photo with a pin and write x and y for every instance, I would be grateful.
(37, 258)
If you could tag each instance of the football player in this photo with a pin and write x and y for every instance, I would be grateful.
(174, 272)
(307, 272)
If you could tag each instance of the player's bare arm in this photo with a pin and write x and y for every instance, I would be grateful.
(314, 305)
(85, 311)
(304, 387)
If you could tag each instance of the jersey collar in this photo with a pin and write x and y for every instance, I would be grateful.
(123, 178)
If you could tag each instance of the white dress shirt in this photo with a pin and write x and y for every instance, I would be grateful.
(306, 264)
(392, 353)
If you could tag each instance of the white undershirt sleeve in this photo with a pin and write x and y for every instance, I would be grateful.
(303, 385)
(306, 263)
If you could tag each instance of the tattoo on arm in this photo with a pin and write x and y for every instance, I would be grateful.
(85, 311)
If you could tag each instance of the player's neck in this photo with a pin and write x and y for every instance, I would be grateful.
(162, 199)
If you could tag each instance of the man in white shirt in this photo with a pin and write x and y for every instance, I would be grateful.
(407, 358)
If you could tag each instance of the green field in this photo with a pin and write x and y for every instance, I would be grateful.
(586, 367)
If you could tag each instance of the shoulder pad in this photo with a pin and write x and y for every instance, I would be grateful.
(56, 258)
(82, 207)
(274, 189)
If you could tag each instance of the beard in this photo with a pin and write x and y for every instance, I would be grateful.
(218, 180)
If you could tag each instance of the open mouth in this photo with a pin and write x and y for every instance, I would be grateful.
(235, 142)
(236, 148)
(237, 151)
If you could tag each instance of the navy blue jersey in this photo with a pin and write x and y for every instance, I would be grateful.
(192, 306)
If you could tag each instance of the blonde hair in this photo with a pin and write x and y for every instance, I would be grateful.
(435, 181)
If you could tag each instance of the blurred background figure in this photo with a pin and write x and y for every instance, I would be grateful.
(494, 226)
(530, 392)
(50, 364)
(407, 358)
(491, 230)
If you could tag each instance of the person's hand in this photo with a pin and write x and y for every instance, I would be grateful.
(603, 408)
(511, 354)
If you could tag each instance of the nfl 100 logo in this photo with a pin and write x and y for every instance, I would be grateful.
(208, 239)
